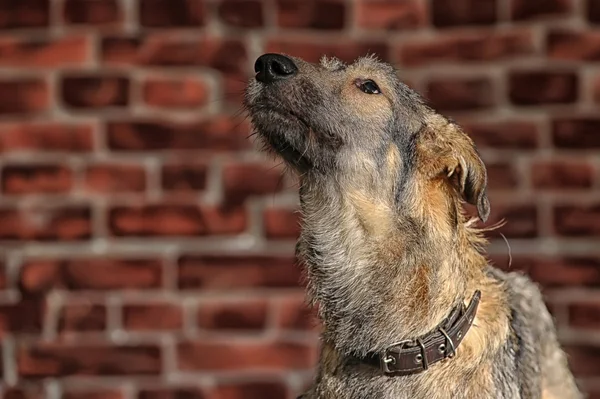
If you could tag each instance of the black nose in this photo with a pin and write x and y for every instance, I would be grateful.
(272, 67)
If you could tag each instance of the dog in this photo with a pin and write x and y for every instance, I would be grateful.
(410, 307)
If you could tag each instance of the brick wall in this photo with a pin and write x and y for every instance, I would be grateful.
(147, 249)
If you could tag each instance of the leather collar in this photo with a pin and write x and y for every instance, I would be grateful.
(416, 355)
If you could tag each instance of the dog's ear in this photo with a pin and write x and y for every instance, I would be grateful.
(469, 176)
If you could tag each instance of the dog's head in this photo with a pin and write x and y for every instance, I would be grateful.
(360, 123)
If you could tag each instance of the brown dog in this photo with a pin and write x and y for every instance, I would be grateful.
(410, 306)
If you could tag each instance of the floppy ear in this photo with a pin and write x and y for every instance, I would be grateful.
(470, 179)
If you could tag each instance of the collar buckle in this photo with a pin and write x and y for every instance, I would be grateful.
(386, 359)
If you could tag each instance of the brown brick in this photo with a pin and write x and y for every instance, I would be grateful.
(36, 179)
(45, 223)
(246, 315)
(562, 175)
(115, 178)
(23, 317)
(92, 393)
(521, 220)
(460, 94)
(231, 272)
(463, 47)
(506, 134)
(175, 92)
(72, 50)
(104, 273)
(57, 359)
(23, 96)
(242, 13)
(463, 12)
(529, 9)
(24, 14)
(294, 314)
(243, 180)
(95, 91)
(576, 132)
(585, 315)
(95, 13)
(218, 134)
(184, 177)
(266, 356)
(501, 175)
(171, 393)
(584, 360)
(577, 220)
(51, 136)
(251, 390)
(82, 317)
(391, 14)
(3, 275)
(574, 45)
(24, 392)
(318, 14)
(172, 13)
(226, 55)
(543, 87)
(152, 316)
(281, 223)
(593, 9)
(312, 51)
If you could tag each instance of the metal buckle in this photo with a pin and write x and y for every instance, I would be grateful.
(385, 359)
(449, 341)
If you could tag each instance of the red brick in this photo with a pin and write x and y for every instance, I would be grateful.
(91, 393)
(577, 220)
(219, 134)
(267, 356)
(171, 393)
(467, 46)
(184, 177)
(576, 132)
(24, 14)
(501, 176)
(585, 315)
(505, 134)
(172, 13)
(23, 96)
(46, 223)
(281, 223)
(115, 178)
(251, 390)
(36, 179)
(50, 136)
(312, 51)
(529, 9)
(521, 220)
(460, 94)
(180, 92)
(574, 45)
(584, 360)
(23, 317)
(543, 87)
(234, 272)
(246, 315)
(24, 392)
(463, 12)
(175, 220)
(55, 359)
(593, 10)
(242, 13)
(72, 50)
(105, 273)
(562, 175)
(243, 180)
(152, 316)
(294, 314)
(225, 55)
(95, 13)
(566, 272)
(318, 14)
(390, 14)
(3, 276)
(95, 91)
(82, 317)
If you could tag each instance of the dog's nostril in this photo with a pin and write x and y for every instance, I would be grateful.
(272, 67)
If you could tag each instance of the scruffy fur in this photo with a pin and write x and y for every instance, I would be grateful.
(387, 247)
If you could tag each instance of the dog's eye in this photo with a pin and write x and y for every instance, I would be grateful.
(368, 86)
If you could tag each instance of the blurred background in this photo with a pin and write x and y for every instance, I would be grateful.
(146, 247)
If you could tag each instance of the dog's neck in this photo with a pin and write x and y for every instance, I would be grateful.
(377, 279)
